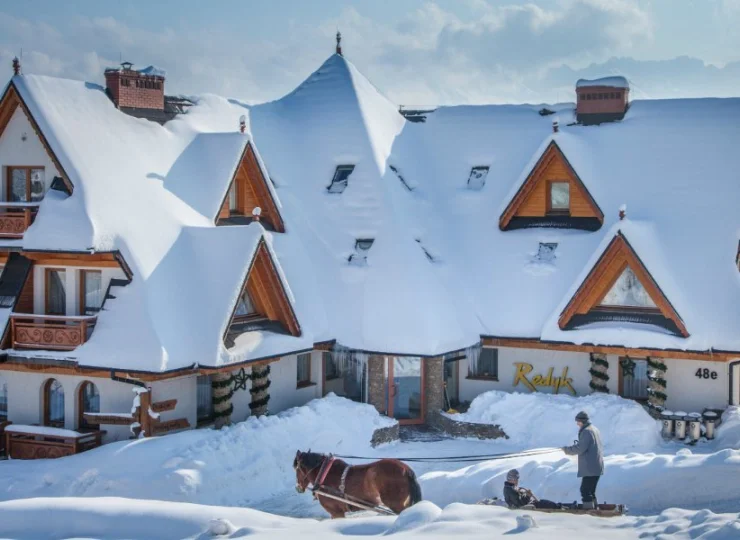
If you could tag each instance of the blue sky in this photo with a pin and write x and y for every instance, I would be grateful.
(415, 51)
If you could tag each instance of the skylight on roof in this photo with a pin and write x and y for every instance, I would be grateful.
(400, 177)
(546, 252)
(477, 178)
(627, 291)
(341, 179)
(362, 247)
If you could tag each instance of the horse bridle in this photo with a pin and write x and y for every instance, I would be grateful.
(299, 469)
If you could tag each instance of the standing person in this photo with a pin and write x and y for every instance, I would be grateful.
(590, 454)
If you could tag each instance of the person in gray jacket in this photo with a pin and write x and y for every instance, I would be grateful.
(590, 454)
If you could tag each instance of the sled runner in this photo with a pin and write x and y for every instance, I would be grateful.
(601, 510)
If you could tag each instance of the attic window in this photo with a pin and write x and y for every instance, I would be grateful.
(477, 178)
(362, 247)
(400, 177)
(245, 308)
(341, 178)
(546, 252)
(627, 291)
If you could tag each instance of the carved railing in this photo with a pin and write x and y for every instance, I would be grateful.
(35, 442)
(50, 332)
(16, 217)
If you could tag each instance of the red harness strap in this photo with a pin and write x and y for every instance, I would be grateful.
(323, 471)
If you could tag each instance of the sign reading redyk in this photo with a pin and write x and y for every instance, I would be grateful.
(523, 370)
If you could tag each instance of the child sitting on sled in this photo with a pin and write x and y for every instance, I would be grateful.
(516, 496)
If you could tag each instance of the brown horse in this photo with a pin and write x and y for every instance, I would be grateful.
(387, 482)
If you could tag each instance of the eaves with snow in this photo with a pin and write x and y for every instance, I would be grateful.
(152, 192)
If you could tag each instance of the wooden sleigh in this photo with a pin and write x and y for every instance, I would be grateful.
(601, 510)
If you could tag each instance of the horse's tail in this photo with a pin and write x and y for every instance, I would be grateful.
(414, 487)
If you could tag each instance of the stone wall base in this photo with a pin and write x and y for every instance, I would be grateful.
(456, 428)
(386, 435)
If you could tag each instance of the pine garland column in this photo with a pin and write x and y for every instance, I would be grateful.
(657, 386)
(599, 373)
(260, 384)
(223, 391)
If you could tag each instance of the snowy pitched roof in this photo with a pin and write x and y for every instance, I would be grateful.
(615, 81)
(671, 162)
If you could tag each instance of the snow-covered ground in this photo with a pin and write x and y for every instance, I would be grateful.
(250, 465)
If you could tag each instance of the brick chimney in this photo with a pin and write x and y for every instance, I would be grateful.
(135, 88)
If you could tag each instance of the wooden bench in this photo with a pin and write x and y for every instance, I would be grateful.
(39, 442)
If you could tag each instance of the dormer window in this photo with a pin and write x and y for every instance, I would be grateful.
(628, 292)
(245, 308)
(558, 198)
(477, 178)
(341, 179)
(362, 247)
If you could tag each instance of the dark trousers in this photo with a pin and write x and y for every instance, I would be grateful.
(588, 488)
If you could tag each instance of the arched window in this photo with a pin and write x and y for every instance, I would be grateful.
(53, 403)
(88, 401)
(3, 401)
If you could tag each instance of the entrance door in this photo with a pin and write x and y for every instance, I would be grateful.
(405, 393)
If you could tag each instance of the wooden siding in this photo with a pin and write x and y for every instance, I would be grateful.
(532, 198)
(25, 300)
(253, 191)
(617, 256)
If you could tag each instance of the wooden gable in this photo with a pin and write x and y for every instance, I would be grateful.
(586, 304)
(252, 191)
(9, 102)
(266, 291)
(531, 201)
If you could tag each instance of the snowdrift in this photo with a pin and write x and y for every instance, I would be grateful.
(546, 420)
(235, 466)
(124, 518)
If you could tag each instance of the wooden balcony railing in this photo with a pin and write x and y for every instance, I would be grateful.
(50, 332)
(39, 442)
(16, 217)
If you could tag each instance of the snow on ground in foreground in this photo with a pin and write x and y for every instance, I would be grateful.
(541, 420)
(250, 464)
(113, 518)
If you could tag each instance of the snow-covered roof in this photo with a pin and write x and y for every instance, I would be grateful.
(615, 81)
(153, 191)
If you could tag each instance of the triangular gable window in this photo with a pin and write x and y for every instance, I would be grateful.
(619, 289)
(552, 196)
(248, 190)
(264, 304)
(627, 291)
(341, 179)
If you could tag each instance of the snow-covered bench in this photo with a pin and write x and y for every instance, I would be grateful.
(41, 442)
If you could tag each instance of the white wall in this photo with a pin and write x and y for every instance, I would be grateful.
(15, 151)
(184, 390)
(73, 282)
(685, 391)
(25, 393)
(283, 391)
(578, 365)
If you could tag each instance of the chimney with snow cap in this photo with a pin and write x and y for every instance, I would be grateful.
(622, 212)
(16, 66)
(555, 126)
(135, 89)
(339, 43)
(256, 213)
(242, 123)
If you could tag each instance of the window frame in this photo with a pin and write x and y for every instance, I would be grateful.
(334, 181)
(620, 382)
(617, 308)
(46, 404)
(47, 290)
(83, 295)
(483, 377)
(204, 420)
(557, 211)
(303, 383)
(255, 316)
(9, 184)
(82, 424)
(4, 392)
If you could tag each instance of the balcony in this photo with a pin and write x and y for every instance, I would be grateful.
(16, 217)
(50, 332)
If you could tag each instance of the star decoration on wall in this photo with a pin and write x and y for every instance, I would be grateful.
(240, 380)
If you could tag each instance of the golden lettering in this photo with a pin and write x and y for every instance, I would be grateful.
(523, 369)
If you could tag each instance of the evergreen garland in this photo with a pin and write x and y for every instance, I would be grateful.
(221, 399)
(599, 377)
(260, 372)
(656, 375)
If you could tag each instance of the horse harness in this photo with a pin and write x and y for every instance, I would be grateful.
(326, 466)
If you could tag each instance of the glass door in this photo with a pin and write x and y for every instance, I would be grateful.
(452, 384)
(405, 390)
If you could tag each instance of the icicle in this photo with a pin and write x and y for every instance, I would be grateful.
(473, 354)
(351, 362)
